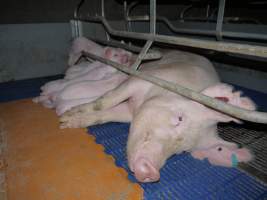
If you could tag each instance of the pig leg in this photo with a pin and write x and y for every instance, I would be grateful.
(52, 86)
(118, 113)
(65, 105)
(83, 68)
(98, 73)
(88, 89)
(77, 116)
(45, 100)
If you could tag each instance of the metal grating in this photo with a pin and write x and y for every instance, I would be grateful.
(254, 137)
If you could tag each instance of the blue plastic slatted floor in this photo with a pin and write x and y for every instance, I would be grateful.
(183, 177)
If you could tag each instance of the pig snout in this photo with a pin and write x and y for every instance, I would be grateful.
(144, 170)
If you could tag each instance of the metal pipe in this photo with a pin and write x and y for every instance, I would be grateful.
(234, 111)
(131, 6)
(183, 11)
(103, 15)
(125, 15)
(245, 49)
(153, 15)
(141, 55)
(76, 11)
(103, 8)
(219, 22)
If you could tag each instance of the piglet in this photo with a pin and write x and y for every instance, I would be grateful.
(88, 79)
(223, 155)
(80, 44)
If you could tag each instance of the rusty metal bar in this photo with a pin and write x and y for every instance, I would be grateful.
(254, 116)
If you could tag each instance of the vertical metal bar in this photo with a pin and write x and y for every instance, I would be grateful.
(153, 17)
(102, 8)
(125, 15)
(131, 5)
(103, 15)
(219, 23)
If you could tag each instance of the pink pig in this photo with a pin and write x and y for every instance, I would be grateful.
(80, 44)
(223, 155)
(93, 72)
(164, 123)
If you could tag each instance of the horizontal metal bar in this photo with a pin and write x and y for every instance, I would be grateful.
(245, 49)
(151, 55)
(230, 34)
(234, 111)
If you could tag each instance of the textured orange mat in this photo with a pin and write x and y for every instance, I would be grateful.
(44, 162)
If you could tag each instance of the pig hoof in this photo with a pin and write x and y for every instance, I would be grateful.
(74, 121)
(35, 100)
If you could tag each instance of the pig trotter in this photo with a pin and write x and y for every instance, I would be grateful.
(78, 120)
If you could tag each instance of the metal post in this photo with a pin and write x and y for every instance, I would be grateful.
(153, 16)
(219, 23)
(103, 15)
(125, 15)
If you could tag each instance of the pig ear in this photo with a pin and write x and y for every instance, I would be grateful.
(224, 92)
(108, 52)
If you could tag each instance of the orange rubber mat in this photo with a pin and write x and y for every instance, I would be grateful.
(44, 162)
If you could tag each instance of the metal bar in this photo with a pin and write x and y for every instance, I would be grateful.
(125, 15)
(229, 34)
(141, 55)
(103, 15)
(234, 111)
(103, 8)
(153, 16)
(245, 49)
(76, 11)
(219, 23)
(151, 55)
(134, 3)
(183, 11)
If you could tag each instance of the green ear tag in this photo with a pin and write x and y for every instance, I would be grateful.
(234, 160)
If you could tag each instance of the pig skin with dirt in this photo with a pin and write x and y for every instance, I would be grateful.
(163, 123)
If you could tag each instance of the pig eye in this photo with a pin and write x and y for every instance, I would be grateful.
(180, 118)
(219, 149)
